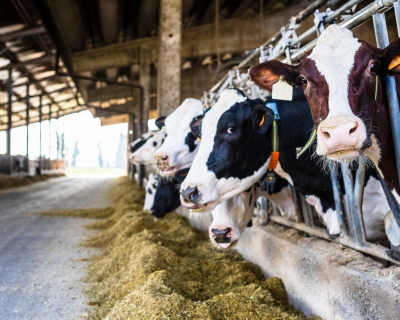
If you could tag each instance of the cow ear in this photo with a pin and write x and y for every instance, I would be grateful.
(390, 58)
(195, 126)
(262, 118)
(266, 74)
(160, 122)
(181, 175)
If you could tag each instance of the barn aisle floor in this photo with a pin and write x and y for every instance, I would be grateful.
(41, 267)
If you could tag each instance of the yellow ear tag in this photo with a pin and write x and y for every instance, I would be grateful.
(198, 139)
(282, 90)
(394, 63)
(262, 121)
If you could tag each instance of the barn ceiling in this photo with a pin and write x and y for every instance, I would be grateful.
(31, 31)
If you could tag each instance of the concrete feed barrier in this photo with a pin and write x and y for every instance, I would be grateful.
(323, 278)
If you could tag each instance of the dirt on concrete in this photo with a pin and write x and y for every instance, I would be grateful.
(7, 182)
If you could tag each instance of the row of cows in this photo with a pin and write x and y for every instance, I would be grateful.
(214, 164)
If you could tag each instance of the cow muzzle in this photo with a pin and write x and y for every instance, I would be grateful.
(341, 138)
(162, 162)
(190, 198)
(223, 237)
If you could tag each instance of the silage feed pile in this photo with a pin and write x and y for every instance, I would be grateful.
(165, 269)
(7, 182)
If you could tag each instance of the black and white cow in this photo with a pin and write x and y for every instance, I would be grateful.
(236, 148)
(180, 146)
(142, 150)
(151, 188)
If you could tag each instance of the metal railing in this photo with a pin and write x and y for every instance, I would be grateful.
(287, 46)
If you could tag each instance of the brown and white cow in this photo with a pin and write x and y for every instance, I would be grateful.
(348, 107)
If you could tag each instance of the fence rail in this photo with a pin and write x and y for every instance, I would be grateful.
(287, 46)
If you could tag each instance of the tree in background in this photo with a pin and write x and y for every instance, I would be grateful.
(75, 155)
(101, 162)
(120, 159)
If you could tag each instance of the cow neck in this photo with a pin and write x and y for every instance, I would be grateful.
(306, 173)
(269, 179)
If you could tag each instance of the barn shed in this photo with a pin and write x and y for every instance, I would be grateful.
(199, 159)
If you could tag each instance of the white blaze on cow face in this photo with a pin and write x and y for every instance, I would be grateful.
(151, 188)
(211, 189)
(180, 146)
(145, 146)
(342, 134)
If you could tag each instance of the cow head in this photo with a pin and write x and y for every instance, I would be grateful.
(142, 150)
(166, 198)
(231, 217)
(233, 154)
(339, 81)
(180, 146)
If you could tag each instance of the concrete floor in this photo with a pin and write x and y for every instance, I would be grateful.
(40, 269)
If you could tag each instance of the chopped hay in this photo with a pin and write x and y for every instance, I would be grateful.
(7, 182)
(165, 269)
(89, 213)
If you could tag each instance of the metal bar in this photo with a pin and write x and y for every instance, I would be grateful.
(382, 40)
(296, 200)
(22, 33)
(368, 248)
(27, 120)
(49, 130)
(358, 200)
(9, 111)
(307, 213)
(396, 6)
(40, 134)
(337, 195)
(33, 61)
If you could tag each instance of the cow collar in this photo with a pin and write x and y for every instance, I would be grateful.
(268, 179)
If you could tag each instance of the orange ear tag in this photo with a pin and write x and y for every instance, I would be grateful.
(394, 63)
(198, 139)
(262, 121)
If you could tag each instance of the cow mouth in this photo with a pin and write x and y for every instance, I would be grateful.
(227, 245)
(169, 171)
(199, 208)
(344, 154)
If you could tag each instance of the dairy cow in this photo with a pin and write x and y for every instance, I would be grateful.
(180, 146)
(342, 79)
(142, 150)
(236, 151)
(151, 188)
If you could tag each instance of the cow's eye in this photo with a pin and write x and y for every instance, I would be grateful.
(303, 80)
(372, 68)
(231, 130)
(154, 143)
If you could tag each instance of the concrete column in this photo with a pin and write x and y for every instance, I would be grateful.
(49, 131)
(39, 170)
(169, 60)
(9, 111)
(145, 78)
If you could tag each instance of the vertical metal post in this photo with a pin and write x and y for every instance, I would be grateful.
(40, 135)
(27, 120)
(58, 135)
(9, 118)
(382, 41)
(358, 200)
(49, 131)
(337, 195)
(397, 14)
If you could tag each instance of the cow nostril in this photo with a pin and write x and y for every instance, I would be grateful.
(194, 196)
(164, 158)
(352, 130)
(222, 235)
(326, 134)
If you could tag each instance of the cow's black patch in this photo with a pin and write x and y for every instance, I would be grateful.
(243, 149)
(154, 186)
(140, 143)
(190, 141)
(250, 224)
(149, 191)
(166, 198)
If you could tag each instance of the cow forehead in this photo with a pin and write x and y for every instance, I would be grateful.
(183, 115)
(334, 57)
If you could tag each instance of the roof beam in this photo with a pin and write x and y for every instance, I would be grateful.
(236, 35)
(22, 33)
(25, 63)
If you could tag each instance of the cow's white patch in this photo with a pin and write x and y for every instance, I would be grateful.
(284, 201)
(283, 174)
(150, 192)
(329, 217)
(177, 126)
(334, 57)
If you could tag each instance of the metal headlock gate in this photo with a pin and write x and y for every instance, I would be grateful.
(286, 45)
